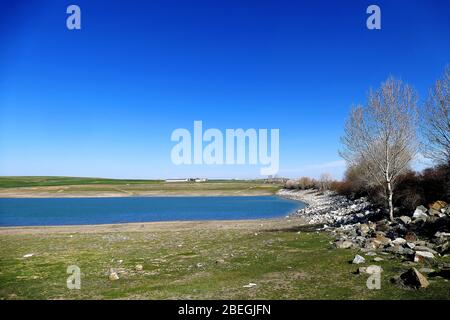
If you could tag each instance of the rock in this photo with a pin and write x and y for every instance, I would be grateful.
(374, 269)
(199, 265)
(361, 270)
(139, 267)
(424, 248)
(399, 241)
(399, 250)
(410, 236)
(378, 259)
(382, 239)
(364, 229)
(113, 276)
(249, 285)
(422, 256)
(426, 270)
(358, 259)
(410, 245)
(442, 234)
(372, 244)
(420, 213)
(28, 255)
(343, 244)
(405, 219)
(438, 205)
(444, 248)
(414, 279)
(434, 213)
(371, 253)
(369, 270)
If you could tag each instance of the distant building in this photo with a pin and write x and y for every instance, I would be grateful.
(177, 180)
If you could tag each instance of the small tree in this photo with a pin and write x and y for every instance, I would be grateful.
(380, 136)
(436, 120)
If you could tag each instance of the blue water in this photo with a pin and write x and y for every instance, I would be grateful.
(70, 211)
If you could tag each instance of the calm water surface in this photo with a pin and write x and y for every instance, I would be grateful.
(69, 211)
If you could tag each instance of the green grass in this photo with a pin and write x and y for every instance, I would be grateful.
(283, 264)
(32, 181)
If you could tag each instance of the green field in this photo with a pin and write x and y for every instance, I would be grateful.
(22, 181)
(68, 186)
(193, 262)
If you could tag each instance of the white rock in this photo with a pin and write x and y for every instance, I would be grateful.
(139, 267)
(358, 259)
(378, 259)
(399, 241)
(411, 245)
(421, 255)
(249, 285)
(113, 276)
(28, 255)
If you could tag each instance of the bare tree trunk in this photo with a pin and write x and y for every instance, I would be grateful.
(391, 206)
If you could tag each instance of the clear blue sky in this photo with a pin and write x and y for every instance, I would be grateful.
(102, 101)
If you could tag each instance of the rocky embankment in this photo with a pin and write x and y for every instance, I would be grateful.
(419, 239)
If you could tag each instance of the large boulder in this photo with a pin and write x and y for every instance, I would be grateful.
(414, 279)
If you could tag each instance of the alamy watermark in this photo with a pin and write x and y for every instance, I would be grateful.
(374, 280)
(227, 149)
(74, 280)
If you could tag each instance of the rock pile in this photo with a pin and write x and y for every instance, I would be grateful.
(329, 208)
(417, 239)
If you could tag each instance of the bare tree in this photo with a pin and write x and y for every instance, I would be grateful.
(380, 137)
(436, 120)
(325, 181)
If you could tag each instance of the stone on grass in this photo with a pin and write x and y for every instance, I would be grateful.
(378, 259)
(113, 276)
(28, 255)
(358, 259)
(139, 267)
(370, 270)
(343, 244)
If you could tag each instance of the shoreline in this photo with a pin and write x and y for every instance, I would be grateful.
(259, 224)
(152, 195)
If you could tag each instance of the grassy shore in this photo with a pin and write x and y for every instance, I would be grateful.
(191, 260)
(32, 187)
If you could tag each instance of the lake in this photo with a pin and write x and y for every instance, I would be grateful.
(73, 211)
